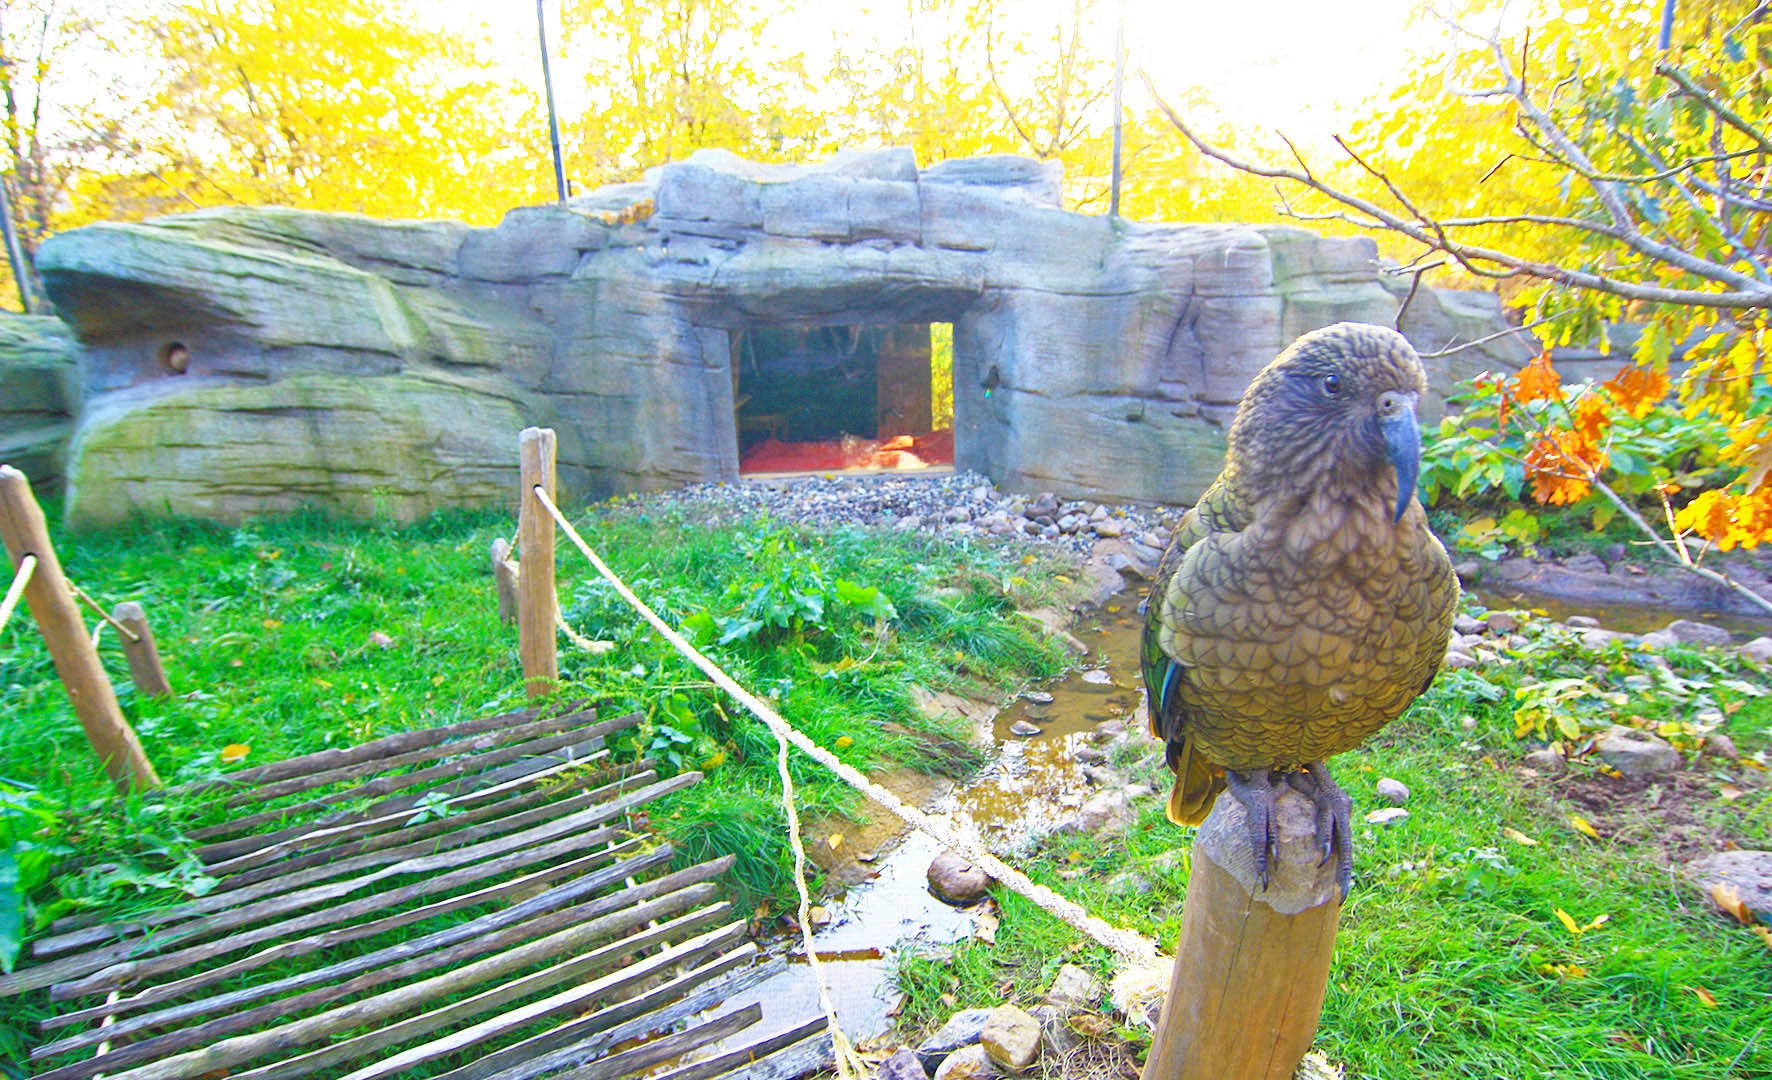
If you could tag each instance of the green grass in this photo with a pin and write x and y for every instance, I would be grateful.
(272, 638)
(1451, 960)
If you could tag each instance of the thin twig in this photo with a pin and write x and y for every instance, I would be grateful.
(1487, 338)
(1414, 284)
(26, 567)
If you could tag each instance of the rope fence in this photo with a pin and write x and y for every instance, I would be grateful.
(21, 578)
(1131, 946)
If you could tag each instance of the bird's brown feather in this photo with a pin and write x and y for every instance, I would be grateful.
(1292, 616)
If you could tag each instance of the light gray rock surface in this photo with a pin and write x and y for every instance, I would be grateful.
(39, 397)
(1113, 352)
(1011, 1038)
(1749, 873)
(961, 1029)
(1637, 753)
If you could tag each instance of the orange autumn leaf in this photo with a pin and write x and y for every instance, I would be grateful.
(1727, 519)
(1637, 390)
(1705, 997)
(1538, 380)
(1591, 419)
(234, 752)
(1560, 465)
(1728, 899)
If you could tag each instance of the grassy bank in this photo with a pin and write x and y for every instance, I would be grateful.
(1454, 959)
(291, 636)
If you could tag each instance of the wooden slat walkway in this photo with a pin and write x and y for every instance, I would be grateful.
(469, 902)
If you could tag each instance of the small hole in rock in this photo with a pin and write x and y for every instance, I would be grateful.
(175, 359)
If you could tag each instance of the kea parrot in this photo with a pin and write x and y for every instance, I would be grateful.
(1302, 603)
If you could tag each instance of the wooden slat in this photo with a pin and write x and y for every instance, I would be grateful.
(543, 938)
(322, 845)
(501, 738)
(389, 862)
(118, 973)
(631, 1063)
(387, 745)
(387, 784)
(391, 812)
(569, 892)
(584, 1037)
(378, 1009)
(750, 1055)
(452, 945)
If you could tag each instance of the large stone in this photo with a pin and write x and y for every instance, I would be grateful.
(961, 1029)
(39, 396)
(1011, 1038)
(903, 1065)
(967, 1063)
(1074, 988)
(1748, 873)
(1689, 632)
(1637, 753)
(957, 881)
(1091, 359)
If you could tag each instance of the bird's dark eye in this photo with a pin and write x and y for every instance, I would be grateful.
(1331, 384)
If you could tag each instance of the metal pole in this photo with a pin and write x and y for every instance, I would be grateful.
(547, 79)
(1119, 82)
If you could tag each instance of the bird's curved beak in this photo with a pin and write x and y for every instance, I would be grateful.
(1402, 444)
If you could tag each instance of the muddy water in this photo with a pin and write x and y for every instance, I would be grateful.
(1626, 618)
(1033, 783)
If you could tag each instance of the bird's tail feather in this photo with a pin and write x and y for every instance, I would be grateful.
(1197, 784)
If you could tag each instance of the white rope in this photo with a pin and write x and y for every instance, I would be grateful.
(1130, 945)
(594, 647)
(26, 567)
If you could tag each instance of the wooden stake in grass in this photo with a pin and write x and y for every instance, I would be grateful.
(504, 577)
(24, 532)
(145, 670)
(1252, 964)
(537, 606)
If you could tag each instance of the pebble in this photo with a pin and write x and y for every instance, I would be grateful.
(1011, 1038)
(966, 1063)
(1468, 624)
(1687, 632)
(1390, 815)
(1038, 697)
(1501, 622)
(1582, 622)
(1023, 728)
(1074, 988)
(1759, 650)
(1392, 791)
(1468, 723)
(1545, 761)
(903, 1065)
(1721, 746)
(961, 1030)
(961, 504)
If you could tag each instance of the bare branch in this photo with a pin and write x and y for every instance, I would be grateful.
(1414, 284)
(1487, 338)
(1723, 112)
(1746, 292)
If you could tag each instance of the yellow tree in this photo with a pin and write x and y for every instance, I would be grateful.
(331, 104)
(667, 78)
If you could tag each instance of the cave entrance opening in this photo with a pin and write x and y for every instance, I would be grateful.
(843, 398)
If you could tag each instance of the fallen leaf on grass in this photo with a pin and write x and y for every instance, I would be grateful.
(1730, 792)
(843, 742)
(235, 751)
(1091, 1025)
(1519, 837)
(985, 922)
(1580, 825)
(1728, 898)
(1563, 971)
(1705, 997)
(1764, 933)
(1573, 927)
(836, 841)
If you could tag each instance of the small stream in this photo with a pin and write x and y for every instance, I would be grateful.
(1033, 783)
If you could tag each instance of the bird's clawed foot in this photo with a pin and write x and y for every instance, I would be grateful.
(1255, 790)
(1335, 831)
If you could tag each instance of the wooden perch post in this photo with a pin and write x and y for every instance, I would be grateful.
(52, 604)
(537, 606)
(1252, 964)
(504, 577)
(145, 670)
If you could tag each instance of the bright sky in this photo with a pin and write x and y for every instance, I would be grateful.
(1301, 66)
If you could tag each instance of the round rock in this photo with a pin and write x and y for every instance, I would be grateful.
(1392, 791)
(1637, 753)
(1011, 1038)
(966, 1063)
(953, 879)
(1687, 632)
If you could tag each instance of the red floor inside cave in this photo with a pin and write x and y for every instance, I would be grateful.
(901, 452)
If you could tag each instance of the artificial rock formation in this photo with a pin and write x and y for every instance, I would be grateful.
(39, 395)
(248, 360)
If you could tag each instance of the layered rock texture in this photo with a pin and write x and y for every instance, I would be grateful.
(39, 396)
(246, 361)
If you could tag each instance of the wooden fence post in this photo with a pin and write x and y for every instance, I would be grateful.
(1252, 965)
(537, 606)
(145, 670)
(504, 578)
(24, 531)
